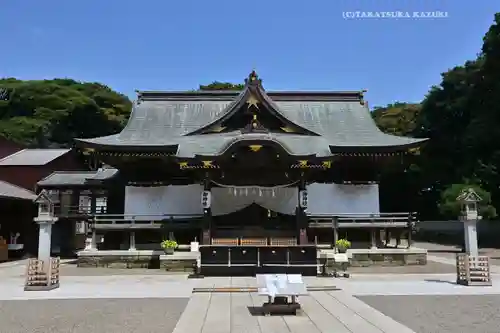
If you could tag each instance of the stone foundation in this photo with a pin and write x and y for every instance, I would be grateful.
(387, 257)
(179, 262)
(119, 259)
(182, 261)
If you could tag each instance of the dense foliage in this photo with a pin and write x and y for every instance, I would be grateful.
(216, 85)
(460, 116)
(450, 208)
(50, 113)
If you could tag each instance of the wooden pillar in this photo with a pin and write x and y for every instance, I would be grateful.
(301, 217)
(93, 199)
(206, 230)
(131, 246)
(335, 227)
(373, 238)
(410, 230)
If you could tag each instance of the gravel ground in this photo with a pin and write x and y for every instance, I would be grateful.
(441, 314)
(91, 315)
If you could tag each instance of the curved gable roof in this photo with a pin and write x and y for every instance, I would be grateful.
(171, 120)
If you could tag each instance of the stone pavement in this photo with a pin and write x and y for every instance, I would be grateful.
(145, 303)
(120, 303)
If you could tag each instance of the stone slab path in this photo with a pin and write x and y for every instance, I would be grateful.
(322, 311)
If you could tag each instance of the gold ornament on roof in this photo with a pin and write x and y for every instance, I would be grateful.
(218, 129)
(287, 129)
(207, 164)
(255, 148)
(252, 101)
(302, 163)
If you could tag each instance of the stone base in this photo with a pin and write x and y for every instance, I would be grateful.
(119, 259)
(387, 257)
(42, 287)
(182, 261)
(179, 261)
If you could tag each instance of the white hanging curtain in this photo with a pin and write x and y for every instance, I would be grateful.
(153, 203)
(226, 200)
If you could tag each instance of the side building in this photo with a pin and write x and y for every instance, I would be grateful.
(20, 170)
(224, 167)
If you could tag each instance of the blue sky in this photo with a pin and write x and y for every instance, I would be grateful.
(176, 45)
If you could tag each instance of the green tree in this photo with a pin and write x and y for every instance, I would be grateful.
(48, 113)
(461, 117)
(397, 119)
(216, 85)
(450, 208)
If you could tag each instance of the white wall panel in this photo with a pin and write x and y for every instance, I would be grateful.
(338, 199)
(333, 199)
(152, 202)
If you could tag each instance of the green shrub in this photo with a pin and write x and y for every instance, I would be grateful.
(343, 244)
(168, 244)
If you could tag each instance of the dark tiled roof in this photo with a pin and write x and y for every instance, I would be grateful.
(340, 119)
(33, 157)
(8, 190)
(68, 178)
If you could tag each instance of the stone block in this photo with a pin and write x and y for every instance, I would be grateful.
(416, 259)
(177, 265)
(118, 261)
(87, 262)
(386, 258)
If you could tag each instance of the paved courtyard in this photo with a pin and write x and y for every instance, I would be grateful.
(142, 301)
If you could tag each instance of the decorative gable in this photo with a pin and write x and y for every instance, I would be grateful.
(43, 198)
(468, 195)
(253, 111)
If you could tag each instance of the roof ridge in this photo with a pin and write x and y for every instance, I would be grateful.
(75, 171)
(34, 156)
(17, 186)
(230, 95)
(37, 149)
(13, 154)
(68, 172)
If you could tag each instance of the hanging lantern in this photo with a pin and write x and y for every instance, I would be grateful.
(206, 197)
(303, 198)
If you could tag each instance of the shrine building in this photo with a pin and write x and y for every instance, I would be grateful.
(235, 168)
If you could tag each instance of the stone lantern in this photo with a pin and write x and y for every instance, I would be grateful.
(45, 219)
(470, 215)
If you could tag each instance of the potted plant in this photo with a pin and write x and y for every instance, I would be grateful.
(169, 246)
(342, 245)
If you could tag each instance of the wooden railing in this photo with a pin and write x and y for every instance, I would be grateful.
(253, 241)
(77, 210)
(273, 241)
(137, 221)
(386, 220)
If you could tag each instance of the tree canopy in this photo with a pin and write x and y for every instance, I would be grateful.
(460, 116)
(48, 113)
(216, 85)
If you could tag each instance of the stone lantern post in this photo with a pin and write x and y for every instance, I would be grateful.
(472, 269)
(470, 216)
(45, 220)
